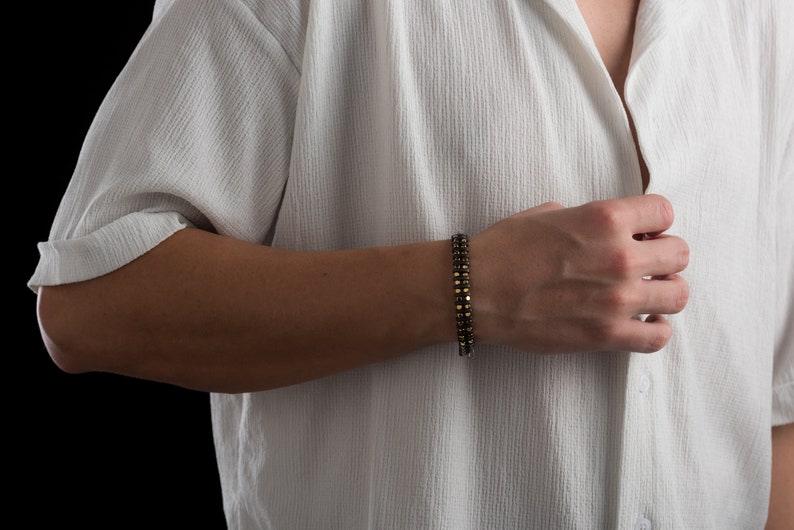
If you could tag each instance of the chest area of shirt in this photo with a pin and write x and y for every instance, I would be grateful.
(519, 91)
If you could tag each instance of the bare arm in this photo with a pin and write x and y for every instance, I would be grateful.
(217, 314)
(781, 499)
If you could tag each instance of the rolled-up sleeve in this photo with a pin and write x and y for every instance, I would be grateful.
(783, 378)
(196, 131)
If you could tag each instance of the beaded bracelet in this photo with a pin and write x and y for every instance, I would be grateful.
(460, 276)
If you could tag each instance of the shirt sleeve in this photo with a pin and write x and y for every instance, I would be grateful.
(196, 131)
(783, 379)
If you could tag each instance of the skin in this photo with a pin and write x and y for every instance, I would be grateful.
(611, 23)
(216, 314)
(781, 500)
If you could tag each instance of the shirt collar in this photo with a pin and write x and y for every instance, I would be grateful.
(655, 19)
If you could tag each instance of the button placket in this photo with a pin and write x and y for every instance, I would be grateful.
(644, 383)
(640, 412)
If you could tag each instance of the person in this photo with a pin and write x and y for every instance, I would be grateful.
(264, 209)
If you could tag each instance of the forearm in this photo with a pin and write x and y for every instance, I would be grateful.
(261, 318)
(213, 313)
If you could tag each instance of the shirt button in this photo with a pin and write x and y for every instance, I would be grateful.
(644, 383)
(643, 524)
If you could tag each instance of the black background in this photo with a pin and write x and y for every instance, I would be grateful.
(91, 450)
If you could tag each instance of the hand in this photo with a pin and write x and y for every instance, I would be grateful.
(561, 280)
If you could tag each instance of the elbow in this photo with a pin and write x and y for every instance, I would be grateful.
(58, 321)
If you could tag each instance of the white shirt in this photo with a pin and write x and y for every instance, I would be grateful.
(350, 123)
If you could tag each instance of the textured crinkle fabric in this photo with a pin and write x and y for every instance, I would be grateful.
(317, 125)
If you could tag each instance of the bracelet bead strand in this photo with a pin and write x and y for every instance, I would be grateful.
(462, 287)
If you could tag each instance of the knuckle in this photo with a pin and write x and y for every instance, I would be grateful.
(683, 255)
(617, 300)
(621, 262)
(660, 338)
(682, 298)
(655, 335)
(606, 216)
(665, 210)
(600, 334)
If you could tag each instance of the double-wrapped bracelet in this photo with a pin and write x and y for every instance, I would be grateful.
(462, 285)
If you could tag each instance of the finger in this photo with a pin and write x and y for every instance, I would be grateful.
(647, 214)
(662, 256)
(666, 296)
(646, 336)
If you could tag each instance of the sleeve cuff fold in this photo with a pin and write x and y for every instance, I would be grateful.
(104, 250)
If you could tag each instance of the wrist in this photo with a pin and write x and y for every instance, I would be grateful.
(425, 276)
